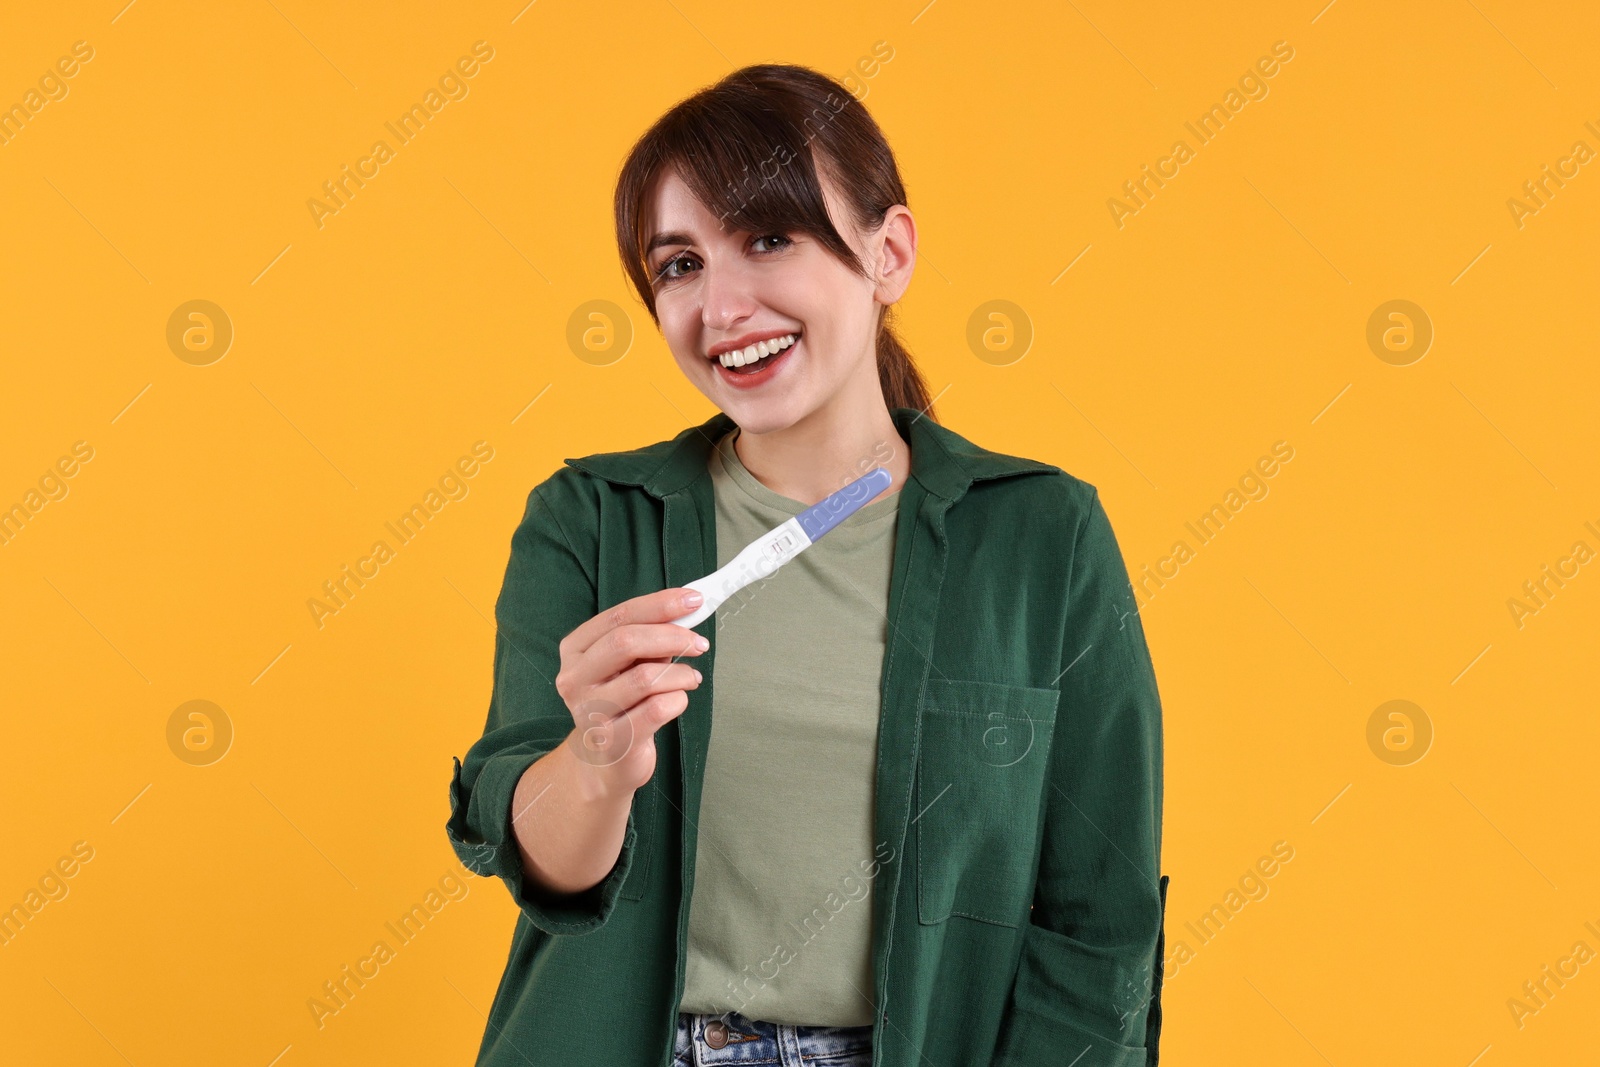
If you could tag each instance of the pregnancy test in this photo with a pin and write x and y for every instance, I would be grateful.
(761, 557)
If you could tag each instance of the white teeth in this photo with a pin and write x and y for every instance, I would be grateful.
(760, 350)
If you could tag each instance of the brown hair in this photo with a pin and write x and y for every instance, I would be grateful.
(750, 148)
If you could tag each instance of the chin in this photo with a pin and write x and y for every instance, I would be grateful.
(766, 415)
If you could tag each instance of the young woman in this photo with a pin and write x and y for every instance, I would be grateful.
(897, 803)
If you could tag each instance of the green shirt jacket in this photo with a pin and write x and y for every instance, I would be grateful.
(1018, 909)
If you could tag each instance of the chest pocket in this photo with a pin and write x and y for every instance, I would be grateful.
(981, 772)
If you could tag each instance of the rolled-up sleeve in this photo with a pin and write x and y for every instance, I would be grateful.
(549, 590)
(1089, 981)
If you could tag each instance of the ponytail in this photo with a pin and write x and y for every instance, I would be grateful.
(903, 384)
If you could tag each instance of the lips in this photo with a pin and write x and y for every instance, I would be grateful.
(766, 369)
(717, 351)
(759, 353)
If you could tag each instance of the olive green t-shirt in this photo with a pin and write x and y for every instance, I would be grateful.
(780, 921)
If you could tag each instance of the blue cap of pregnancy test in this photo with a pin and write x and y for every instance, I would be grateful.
(830, 512)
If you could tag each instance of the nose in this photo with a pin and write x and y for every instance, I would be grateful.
(728, 296)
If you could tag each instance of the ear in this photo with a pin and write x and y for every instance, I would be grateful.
(896, 242)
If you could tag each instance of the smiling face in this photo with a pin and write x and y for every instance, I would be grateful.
(717, 288)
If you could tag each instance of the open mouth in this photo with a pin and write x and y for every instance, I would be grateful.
(753, 365)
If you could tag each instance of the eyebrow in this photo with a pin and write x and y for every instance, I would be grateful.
(667, 239)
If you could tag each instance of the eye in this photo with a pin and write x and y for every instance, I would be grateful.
(665, 272)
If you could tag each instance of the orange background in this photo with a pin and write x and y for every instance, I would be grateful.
(432, 311)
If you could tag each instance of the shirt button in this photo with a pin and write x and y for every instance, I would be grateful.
(716, 1033)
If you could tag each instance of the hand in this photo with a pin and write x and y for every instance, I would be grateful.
(619, 681)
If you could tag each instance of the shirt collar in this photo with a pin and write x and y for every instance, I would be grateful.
(942, 461)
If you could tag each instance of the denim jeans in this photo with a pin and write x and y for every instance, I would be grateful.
(731, 1038)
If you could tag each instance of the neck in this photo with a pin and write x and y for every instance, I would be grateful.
(828, 449)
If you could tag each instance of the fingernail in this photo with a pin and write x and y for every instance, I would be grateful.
(700, 643)
(692, 599)
(697, 676)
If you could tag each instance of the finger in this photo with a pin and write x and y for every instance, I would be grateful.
(658, 607)
(640, 722)
(608, 740)
(645, 679)
(624, 646)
